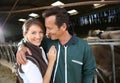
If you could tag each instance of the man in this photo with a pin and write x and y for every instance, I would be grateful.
(75, 62)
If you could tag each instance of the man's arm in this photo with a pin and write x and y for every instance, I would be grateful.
(20, 55)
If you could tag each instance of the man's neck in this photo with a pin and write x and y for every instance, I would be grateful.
(65, 38)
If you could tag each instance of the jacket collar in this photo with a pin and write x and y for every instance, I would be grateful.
(73, 40)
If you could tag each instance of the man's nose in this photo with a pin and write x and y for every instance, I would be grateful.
(47, 31)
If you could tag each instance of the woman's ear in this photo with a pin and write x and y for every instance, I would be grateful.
(25, 37)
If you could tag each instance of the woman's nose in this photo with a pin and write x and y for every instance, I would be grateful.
(38, 35)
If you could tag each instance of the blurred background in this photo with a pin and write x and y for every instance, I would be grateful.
(85, 15)
(96, 21)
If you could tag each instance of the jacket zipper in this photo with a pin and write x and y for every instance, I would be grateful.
(65, 64)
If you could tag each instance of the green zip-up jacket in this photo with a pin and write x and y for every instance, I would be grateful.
(75, 62)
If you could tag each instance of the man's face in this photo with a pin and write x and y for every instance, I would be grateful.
(52, 30)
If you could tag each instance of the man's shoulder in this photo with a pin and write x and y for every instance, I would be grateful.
(81, 40)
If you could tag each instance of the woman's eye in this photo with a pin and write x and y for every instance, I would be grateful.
(41, 32)
(37, 32)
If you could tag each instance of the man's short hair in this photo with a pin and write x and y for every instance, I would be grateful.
(61, 15)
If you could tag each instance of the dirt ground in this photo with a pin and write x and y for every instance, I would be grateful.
(6, 75)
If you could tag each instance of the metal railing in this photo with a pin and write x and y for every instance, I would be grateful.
(111, 43)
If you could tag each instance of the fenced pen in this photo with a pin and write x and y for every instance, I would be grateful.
(113, 49)
(8, 51)
(7, 62)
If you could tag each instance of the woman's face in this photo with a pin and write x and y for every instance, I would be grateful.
(34, 35)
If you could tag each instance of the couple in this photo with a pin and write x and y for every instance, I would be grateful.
(70, 57)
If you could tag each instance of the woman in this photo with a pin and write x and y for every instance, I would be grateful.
(31, 72)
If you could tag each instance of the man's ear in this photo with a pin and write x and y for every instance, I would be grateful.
(64, 26)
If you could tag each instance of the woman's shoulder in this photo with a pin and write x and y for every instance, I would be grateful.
(31, 62)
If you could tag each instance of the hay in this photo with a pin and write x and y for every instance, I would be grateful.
(6, 75)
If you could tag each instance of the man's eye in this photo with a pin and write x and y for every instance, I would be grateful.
(49, 28)
(33, 32)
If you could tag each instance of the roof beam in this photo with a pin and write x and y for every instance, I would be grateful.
(66, 5)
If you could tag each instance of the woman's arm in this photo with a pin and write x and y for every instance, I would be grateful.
(47, 76)
(51, 58)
